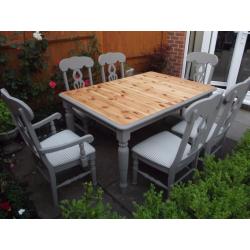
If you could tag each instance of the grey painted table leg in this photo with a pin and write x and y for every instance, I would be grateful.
(123, 157)
(69, 116)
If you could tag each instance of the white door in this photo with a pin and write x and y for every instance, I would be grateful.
(233, 51)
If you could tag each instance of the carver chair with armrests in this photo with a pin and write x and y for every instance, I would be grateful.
(59, 152)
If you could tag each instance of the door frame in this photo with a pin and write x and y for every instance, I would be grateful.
(238, 52)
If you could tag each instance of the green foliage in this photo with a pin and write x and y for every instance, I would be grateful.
(89, 206)
(17, 197)
(22, 83)
(6, 122)
(220, 191)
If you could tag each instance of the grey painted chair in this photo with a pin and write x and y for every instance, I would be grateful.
(111, 59)
(59, 152)
(76, 64)
(226, 112)
(168, 152)
(200, 60)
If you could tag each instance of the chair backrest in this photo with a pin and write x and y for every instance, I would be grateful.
(111, 59)
(76, 64)
(200, 61)
(22, 115)
(231, 104)
(204, 109)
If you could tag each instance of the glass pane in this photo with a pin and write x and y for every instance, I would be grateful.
(224, 50)
(244, 71)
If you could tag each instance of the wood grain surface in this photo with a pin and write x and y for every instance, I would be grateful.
(132, 98)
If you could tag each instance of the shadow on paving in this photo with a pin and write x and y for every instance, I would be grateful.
(107, 171)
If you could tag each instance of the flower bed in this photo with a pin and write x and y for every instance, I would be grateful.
(14, 200)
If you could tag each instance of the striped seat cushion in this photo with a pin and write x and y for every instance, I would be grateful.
(161, 148)
(67, 155)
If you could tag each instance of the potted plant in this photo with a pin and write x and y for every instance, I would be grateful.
(8, 130)
(129, 71)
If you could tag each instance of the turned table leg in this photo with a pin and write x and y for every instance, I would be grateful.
(123, 157)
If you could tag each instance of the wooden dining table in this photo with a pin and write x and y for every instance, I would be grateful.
(128, 104)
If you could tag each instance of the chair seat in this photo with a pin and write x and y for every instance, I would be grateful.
(67, 155)
(180, 127)
(160, 148)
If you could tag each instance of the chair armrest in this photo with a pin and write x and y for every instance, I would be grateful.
(55, 116)
(79, 141)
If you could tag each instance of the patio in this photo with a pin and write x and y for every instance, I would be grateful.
(121, 106)
(107, 171)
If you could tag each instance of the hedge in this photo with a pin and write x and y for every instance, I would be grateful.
(221, 190)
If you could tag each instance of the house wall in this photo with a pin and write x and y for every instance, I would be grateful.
(176, 42)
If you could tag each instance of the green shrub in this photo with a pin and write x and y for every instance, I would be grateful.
(6, 122)
(14, 194)
(152, 207)
(89, 206)
(220, 191)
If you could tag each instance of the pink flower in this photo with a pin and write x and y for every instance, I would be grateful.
(87, 82)
(52, 84)
(5, 206)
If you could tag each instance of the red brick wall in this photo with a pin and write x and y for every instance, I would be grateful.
(176, 43)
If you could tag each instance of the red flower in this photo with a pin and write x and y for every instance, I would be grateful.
(52, 84)
(87, 83)
(5, 206)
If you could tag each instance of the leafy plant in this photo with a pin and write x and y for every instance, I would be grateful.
(14, 201)
(89, 206)
(23, 82)
(158, 60)
(153, 206)
(220, 191)
(6, 122)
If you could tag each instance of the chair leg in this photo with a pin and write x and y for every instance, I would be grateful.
(93, 170)
(53, 188)
(195, 162)
(85, 125)
(171, 177)
(135, 168)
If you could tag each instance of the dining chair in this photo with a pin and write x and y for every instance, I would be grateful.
(198, 61)
(76, 64)
(226, 112)
(111, 58)
(169, 153)
(58, 152)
